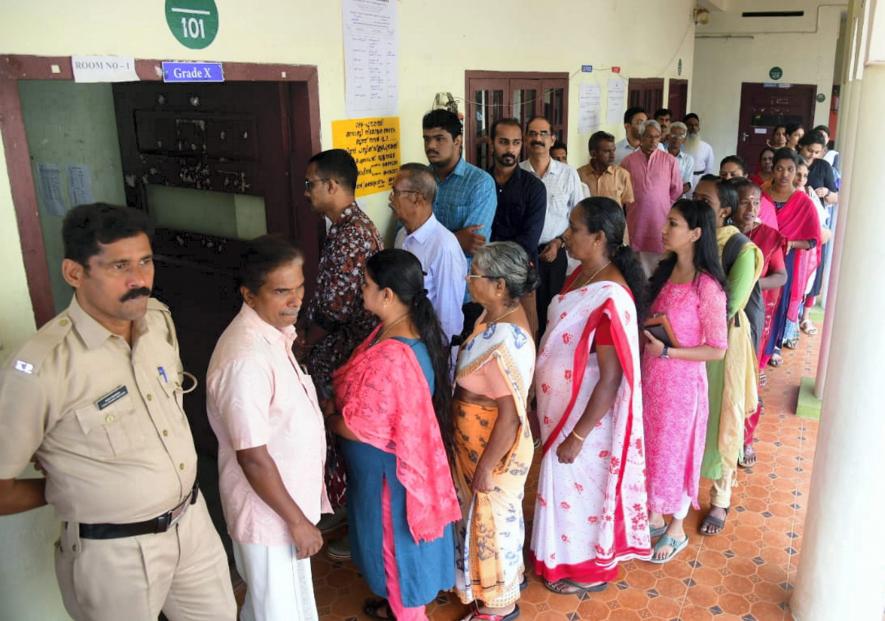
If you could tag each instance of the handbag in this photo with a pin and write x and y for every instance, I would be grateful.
(659, 327)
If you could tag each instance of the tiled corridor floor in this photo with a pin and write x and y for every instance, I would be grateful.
(745, 573)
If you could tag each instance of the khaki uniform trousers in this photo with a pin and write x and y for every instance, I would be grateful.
(182, 572)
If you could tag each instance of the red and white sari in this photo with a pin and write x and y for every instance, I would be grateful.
(591, 514)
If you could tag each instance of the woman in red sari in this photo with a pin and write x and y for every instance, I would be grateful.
(799, 224)
(774, 275)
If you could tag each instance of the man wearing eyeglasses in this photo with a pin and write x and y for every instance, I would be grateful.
(335, 321)
(443, 261)
(564, 191)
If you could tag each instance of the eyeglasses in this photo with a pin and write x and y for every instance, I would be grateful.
(308, 183)
(472, 276)
(535, 134)
(397, 193)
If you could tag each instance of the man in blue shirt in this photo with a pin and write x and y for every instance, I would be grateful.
(465, 198)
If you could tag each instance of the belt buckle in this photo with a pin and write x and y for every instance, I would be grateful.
(164, 522)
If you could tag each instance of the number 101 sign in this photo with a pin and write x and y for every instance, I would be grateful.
(193, 22)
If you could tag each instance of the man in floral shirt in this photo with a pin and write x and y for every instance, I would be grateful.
(336, 321)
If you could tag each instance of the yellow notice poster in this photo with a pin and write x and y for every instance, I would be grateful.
(374, 144)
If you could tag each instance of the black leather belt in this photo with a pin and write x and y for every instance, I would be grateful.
(156, 525)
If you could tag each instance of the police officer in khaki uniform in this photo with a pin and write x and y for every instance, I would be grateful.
(96, 397)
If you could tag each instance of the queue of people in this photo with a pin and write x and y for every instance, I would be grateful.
(408, 397)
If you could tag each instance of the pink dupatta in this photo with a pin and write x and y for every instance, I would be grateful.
(385, 400)
(798, 221)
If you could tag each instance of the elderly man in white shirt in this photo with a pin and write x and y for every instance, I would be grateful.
(704, 161)
(564, 191)
(441, 256)
(675, 140)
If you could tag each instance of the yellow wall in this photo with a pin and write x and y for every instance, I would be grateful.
(438, 42)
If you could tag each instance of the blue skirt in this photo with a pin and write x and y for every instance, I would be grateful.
(424, 568)
(779, 321)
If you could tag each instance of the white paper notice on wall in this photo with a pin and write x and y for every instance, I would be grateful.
(589, 97)
(104, 69)
(80, 184)
(49, 182)
(371, 57)
(617, 89)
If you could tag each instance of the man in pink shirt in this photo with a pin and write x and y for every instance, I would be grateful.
(271, 439)
(657, 184)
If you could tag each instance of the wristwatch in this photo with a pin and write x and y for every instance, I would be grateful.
(665, 353)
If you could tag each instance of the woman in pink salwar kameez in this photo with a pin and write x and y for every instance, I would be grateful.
(689, 288)
(590, 512)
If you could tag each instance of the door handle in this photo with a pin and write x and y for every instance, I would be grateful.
(744, 136)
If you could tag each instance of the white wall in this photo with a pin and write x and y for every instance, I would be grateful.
(745, 49)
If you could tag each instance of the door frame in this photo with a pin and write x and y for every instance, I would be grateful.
(16, 67)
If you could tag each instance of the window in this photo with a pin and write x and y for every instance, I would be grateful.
(492, 95)
(647, 93)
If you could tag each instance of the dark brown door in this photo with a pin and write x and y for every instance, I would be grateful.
(646, 93)
(765, 105)
(213, 166)
(677, 99)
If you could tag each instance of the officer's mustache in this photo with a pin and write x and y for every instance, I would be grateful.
(134, 294)
(537, 143)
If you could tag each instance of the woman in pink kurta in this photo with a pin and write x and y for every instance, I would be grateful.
(687, 287)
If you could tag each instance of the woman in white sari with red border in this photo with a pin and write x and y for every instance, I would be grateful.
(591, 509)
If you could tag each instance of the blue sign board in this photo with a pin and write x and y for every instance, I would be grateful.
(192, 72)
(587, 68)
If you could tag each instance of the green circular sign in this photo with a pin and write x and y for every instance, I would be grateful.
(776, 73)
(193, 22)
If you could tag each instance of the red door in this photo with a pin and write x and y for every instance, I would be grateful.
(763, 106)
(677, 99)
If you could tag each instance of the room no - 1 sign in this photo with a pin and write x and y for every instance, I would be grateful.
(193, 22)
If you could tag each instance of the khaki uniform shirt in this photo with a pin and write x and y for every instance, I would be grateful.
(105, 420)
(614, 183)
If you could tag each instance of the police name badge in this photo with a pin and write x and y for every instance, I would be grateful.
(115, 395)
(24, 367)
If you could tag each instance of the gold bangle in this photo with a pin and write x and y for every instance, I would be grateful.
(578, 436)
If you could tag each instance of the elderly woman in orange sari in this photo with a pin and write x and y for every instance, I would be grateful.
(493, 444)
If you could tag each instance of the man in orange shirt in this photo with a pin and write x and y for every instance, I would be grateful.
(602, 175)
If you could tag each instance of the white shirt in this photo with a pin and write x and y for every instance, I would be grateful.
(686, 166)
(623, 149)
(564, 191)
(445, 269)
(704, 160)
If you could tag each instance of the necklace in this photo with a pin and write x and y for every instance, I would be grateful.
(388, 327)
(500, 317)
(592, 276)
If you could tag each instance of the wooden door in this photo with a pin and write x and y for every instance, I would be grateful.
(677, 99)
(763, 106)
(646, 93)
(212, 165)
